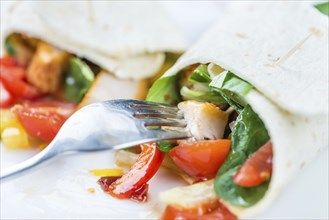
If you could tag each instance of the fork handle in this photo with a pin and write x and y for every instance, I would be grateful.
(27, 165)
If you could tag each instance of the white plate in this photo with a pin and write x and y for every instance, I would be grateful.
(59, 190)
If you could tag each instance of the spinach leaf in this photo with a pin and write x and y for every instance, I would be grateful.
(200, 74)
(208, 96)
(249, 132)
(232, 88)
(233, 160)
(78, 79)
(248, 135)
(323, 7)
(165, 90)
(237, 195)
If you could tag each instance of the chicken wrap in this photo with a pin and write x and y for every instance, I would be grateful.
(254, 94)
(78, 52)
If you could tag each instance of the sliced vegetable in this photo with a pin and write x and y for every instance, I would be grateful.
(107, 172)
(139, 195)
(12, 78)
(41, 120)
(127, 159)
(9, 61)
(78, 80)
(257, 168)
(13, 135)
(106, 181)
(8, 119)
(248, 135)
(147, 164)
(209, 211)
(63, 108)
(201, 159)
(15, 138)
(232, 88)
(6, 99)
(323, 7)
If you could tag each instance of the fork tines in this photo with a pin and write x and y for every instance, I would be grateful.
(153, 114)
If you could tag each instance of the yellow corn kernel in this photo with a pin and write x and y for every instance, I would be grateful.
(15, 138)
(107, 172)
(8, 119)
(91, 190)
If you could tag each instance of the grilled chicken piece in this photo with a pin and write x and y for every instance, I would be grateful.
(204, 120)
(46, 68)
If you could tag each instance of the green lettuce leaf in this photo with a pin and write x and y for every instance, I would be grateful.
(323, 7)
(200, 74)
(208, 96)
(248, 135)
(232, 88)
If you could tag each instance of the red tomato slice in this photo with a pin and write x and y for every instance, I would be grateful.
(42, 121)
(63, 108)
(209, 211)
(8, 61)
(12, 78)
(201, 159)
(6, 99)
(257, 168)
(147, 164)
(140, 195)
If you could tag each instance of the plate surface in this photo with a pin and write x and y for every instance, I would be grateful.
(59, 190)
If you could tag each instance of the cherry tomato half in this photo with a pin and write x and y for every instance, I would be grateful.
(6, 98)
(147, 164)
(201, 159)
(257, 168)
(43, 120)
(13, 78)
(209, 211)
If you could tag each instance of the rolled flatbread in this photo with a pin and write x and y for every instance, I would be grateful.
(281, 48)
(125, 38)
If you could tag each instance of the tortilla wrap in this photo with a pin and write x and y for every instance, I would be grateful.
(281, 48)
(125, 38)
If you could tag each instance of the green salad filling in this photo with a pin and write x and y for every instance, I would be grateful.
(245, 128)
(247, 135)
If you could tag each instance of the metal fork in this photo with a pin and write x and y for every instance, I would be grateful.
(109, 125)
